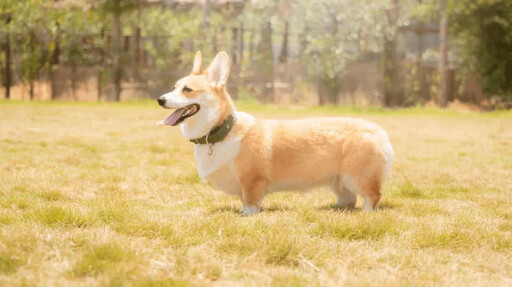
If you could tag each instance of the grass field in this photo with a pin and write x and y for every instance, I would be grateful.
(97, 194)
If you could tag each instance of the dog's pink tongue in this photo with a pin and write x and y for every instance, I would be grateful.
(174, 117)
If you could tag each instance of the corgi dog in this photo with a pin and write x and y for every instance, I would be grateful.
(249, 157)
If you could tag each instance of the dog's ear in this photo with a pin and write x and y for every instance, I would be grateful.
(218, 71)
(198, 64)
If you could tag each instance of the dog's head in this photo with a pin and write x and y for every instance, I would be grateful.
(200, 99)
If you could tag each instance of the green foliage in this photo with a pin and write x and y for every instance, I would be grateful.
(426, 12)
(170, 30)
(336, 31)
(330, 34)
(334, 34)
(26, 30)
(117, 6)
(483, 41)
(37, 30)
(71, 26)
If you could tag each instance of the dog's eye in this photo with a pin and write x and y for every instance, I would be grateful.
(187, 89)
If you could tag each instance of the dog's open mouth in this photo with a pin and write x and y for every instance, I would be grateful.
(181, 114)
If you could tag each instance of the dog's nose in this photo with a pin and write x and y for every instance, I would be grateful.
(161, 101)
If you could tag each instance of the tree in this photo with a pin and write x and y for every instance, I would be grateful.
(482, 39)
(6, 49)
(115, 8)
(165, 31)
(265, 62)
(333, 33)
(390, 62)
(261, 13)
(28, 29)
(443, 54)
(284, 12)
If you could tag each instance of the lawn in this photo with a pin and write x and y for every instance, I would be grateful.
(97, 194)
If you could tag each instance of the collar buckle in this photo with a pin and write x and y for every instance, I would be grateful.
(210, 149)
(210, 145)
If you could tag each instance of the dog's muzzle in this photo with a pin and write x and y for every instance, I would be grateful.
(161, 101)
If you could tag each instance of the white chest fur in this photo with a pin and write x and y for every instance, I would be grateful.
(222, 153)
(219, 167)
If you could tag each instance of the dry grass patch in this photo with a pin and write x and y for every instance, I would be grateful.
(110, 199)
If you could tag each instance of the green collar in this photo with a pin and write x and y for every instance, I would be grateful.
(218, 133)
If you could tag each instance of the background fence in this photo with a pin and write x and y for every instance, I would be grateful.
(383, 52)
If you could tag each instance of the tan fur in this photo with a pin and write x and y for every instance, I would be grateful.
(352, 156)
(312, 151)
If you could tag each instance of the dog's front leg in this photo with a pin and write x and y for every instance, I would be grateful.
(253, 192)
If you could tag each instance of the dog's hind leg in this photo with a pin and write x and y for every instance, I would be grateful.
(368, 188)
(371, 192)
(346, 198)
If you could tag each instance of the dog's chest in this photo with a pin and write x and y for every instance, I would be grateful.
(219, 166)
(225, 179)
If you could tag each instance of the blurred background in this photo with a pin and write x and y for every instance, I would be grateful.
(381, 52)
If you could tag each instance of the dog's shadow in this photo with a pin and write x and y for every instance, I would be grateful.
(275, 208)
(224, 208)
(238, 210)
(334, 207)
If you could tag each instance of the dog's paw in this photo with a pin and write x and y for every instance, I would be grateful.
(250, 210)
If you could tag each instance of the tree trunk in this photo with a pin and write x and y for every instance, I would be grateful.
(323, 93)
(241, 43)
(137, 57)
(391, 83)
(283, 56)
(328, 91)
(73, 81)
(116, 57)
(419, 69)
(234, 42)
(53, 62)
(303, 41)
(443, 53)
(101, 66)
(7, 74)
(51, 76)
(420, 74)
(32, 74)
(390, 72)
(266, 63)
(251, 45)
(31, 91)
(206, 15)
(214, 41)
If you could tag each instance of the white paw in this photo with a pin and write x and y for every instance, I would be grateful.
(367, 206)
(250, 210)
(367, 209)
(347, 203)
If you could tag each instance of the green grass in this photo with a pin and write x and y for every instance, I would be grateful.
(103, 258)
(97, 194)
